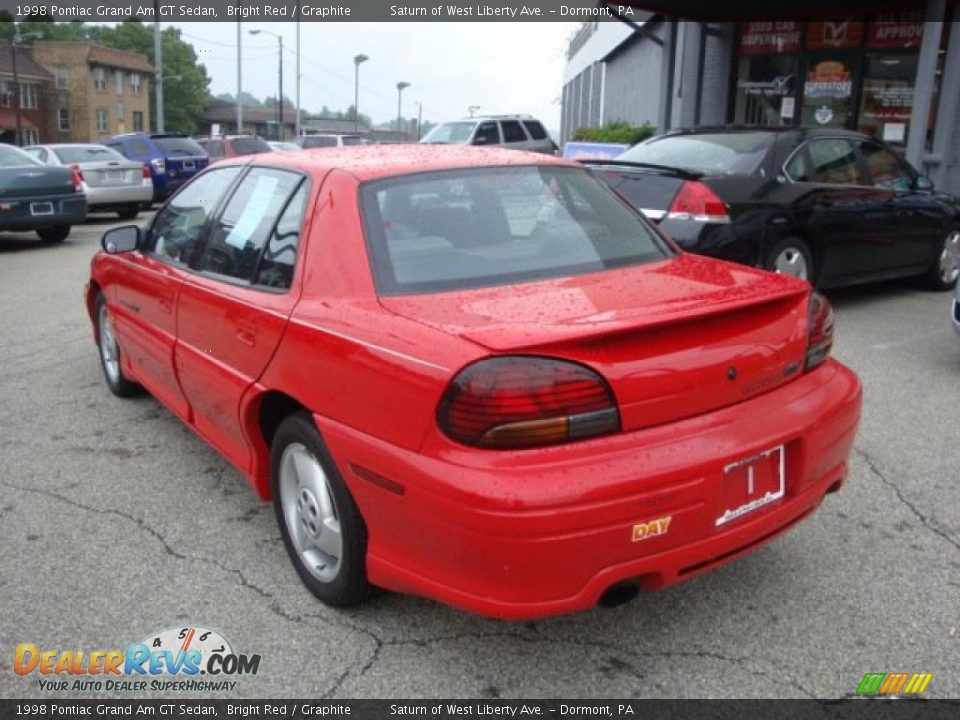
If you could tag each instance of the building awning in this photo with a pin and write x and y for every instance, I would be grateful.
(8, 120)
(755, 9)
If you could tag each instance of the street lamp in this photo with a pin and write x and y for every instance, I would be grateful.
(473, 109)
(357, 59)
(419, 119)
(280, 85)
(16, 40)
(400, 88)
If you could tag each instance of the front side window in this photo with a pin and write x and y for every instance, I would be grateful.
(460, 229)
(512, 132)
(177, 228)
(884, 168)
(280, 255)
(487, 134)
(247, 222)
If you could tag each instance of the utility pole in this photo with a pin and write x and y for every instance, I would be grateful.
(296, 127)
(239, 79)
(158, 68)
(280, 94)
(357, 59)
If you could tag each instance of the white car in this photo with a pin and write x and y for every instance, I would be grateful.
(329, 140)
(111, 182)
(518, 132)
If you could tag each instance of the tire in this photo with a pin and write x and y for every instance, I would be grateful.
(945, 270)
(109, 352)
(57, 233)
(129, 211)
(322, 529)
(791, 256)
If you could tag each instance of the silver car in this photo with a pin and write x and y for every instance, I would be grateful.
(111, 182)
(520, 132)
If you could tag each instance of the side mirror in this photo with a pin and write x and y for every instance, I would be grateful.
(121, 239)
(923, 183)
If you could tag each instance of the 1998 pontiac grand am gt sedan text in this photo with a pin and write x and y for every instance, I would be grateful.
(476, 375)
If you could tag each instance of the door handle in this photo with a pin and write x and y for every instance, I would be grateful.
(247, 333)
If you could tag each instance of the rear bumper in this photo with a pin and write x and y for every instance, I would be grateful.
(121, 195)
(534, 533)
(17, 213)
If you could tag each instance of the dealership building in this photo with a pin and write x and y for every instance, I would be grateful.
(892, 72)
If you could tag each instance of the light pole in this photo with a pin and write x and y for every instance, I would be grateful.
(296, 128)
(280, 85)
(158, 63)
(419, 119)
(17, 39)
(239, 78)
(400, 89)
(357, 59)
(473, 109)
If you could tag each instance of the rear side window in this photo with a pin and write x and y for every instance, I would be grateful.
(352, 140)
(512, 132)
(177, 228)
(138, 148)
(709, 153)
(316, 141)
(832, 161)
(885, 169)
(535, 129)
(215, 148)
(493, 226)
(280, 255)
(239, 235)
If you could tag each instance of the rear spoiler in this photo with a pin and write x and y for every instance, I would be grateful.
(664, 169)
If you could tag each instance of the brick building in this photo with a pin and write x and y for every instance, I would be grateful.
(36, 85)
(96, 91)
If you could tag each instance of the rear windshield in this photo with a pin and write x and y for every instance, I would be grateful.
(179, 146)
(461, 229)
(87, 153)
(709, 153)
(250, 145)
(453, 132)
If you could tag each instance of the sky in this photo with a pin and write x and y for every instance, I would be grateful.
(502, 67)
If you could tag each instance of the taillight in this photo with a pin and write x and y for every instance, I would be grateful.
(146, 172)
(159, 164)
(695, 201)
(525, 401)
(820, 330)
(77, 177)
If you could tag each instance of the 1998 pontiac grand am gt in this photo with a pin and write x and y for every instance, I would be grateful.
(476, 375)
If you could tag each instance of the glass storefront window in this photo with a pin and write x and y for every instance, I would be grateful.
(886, 97)
(828, 92)
(766, 90)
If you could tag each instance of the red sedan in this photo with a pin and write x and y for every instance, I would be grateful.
(476, 375)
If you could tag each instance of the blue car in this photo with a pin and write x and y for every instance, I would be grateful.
(173, 158)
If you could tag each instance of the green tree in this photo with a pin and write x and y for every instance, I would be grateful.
(183, 98)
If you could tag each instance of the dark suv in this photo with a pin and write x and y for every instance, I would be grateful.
(173, 158)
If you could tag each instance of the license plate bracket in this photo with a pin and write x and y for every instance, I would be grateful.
(41, 208)
(752, 483)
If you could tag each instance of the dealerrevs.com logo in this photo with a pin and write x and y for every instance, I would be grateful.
(189, 659)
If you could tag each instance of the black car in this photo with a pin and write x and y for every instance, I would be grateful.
(38, 197)
(831, 206)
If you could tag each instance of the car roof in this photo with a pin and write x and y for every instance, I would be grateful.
(370, 162)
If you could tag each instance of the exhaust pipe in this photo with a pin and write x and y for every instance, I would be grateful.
(618, 594)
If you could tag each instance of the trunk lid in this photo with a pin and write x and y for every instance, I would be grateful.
(650, 190)
(30, 180)
(674, 339)
(112, 173)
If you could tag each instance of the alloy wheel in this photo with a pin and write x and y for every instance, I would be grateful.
(950, 257)
(790, 261)
(108, 346)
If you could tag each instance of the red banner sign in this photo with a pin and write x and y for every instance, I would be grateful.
(896, 30)
(768, 38)
(842, 32)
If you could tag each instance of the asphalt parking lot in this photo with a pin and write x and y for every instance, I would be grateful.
(117, 522)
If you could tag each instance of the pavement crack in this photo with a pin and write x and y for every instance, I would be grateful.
(924, 519)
